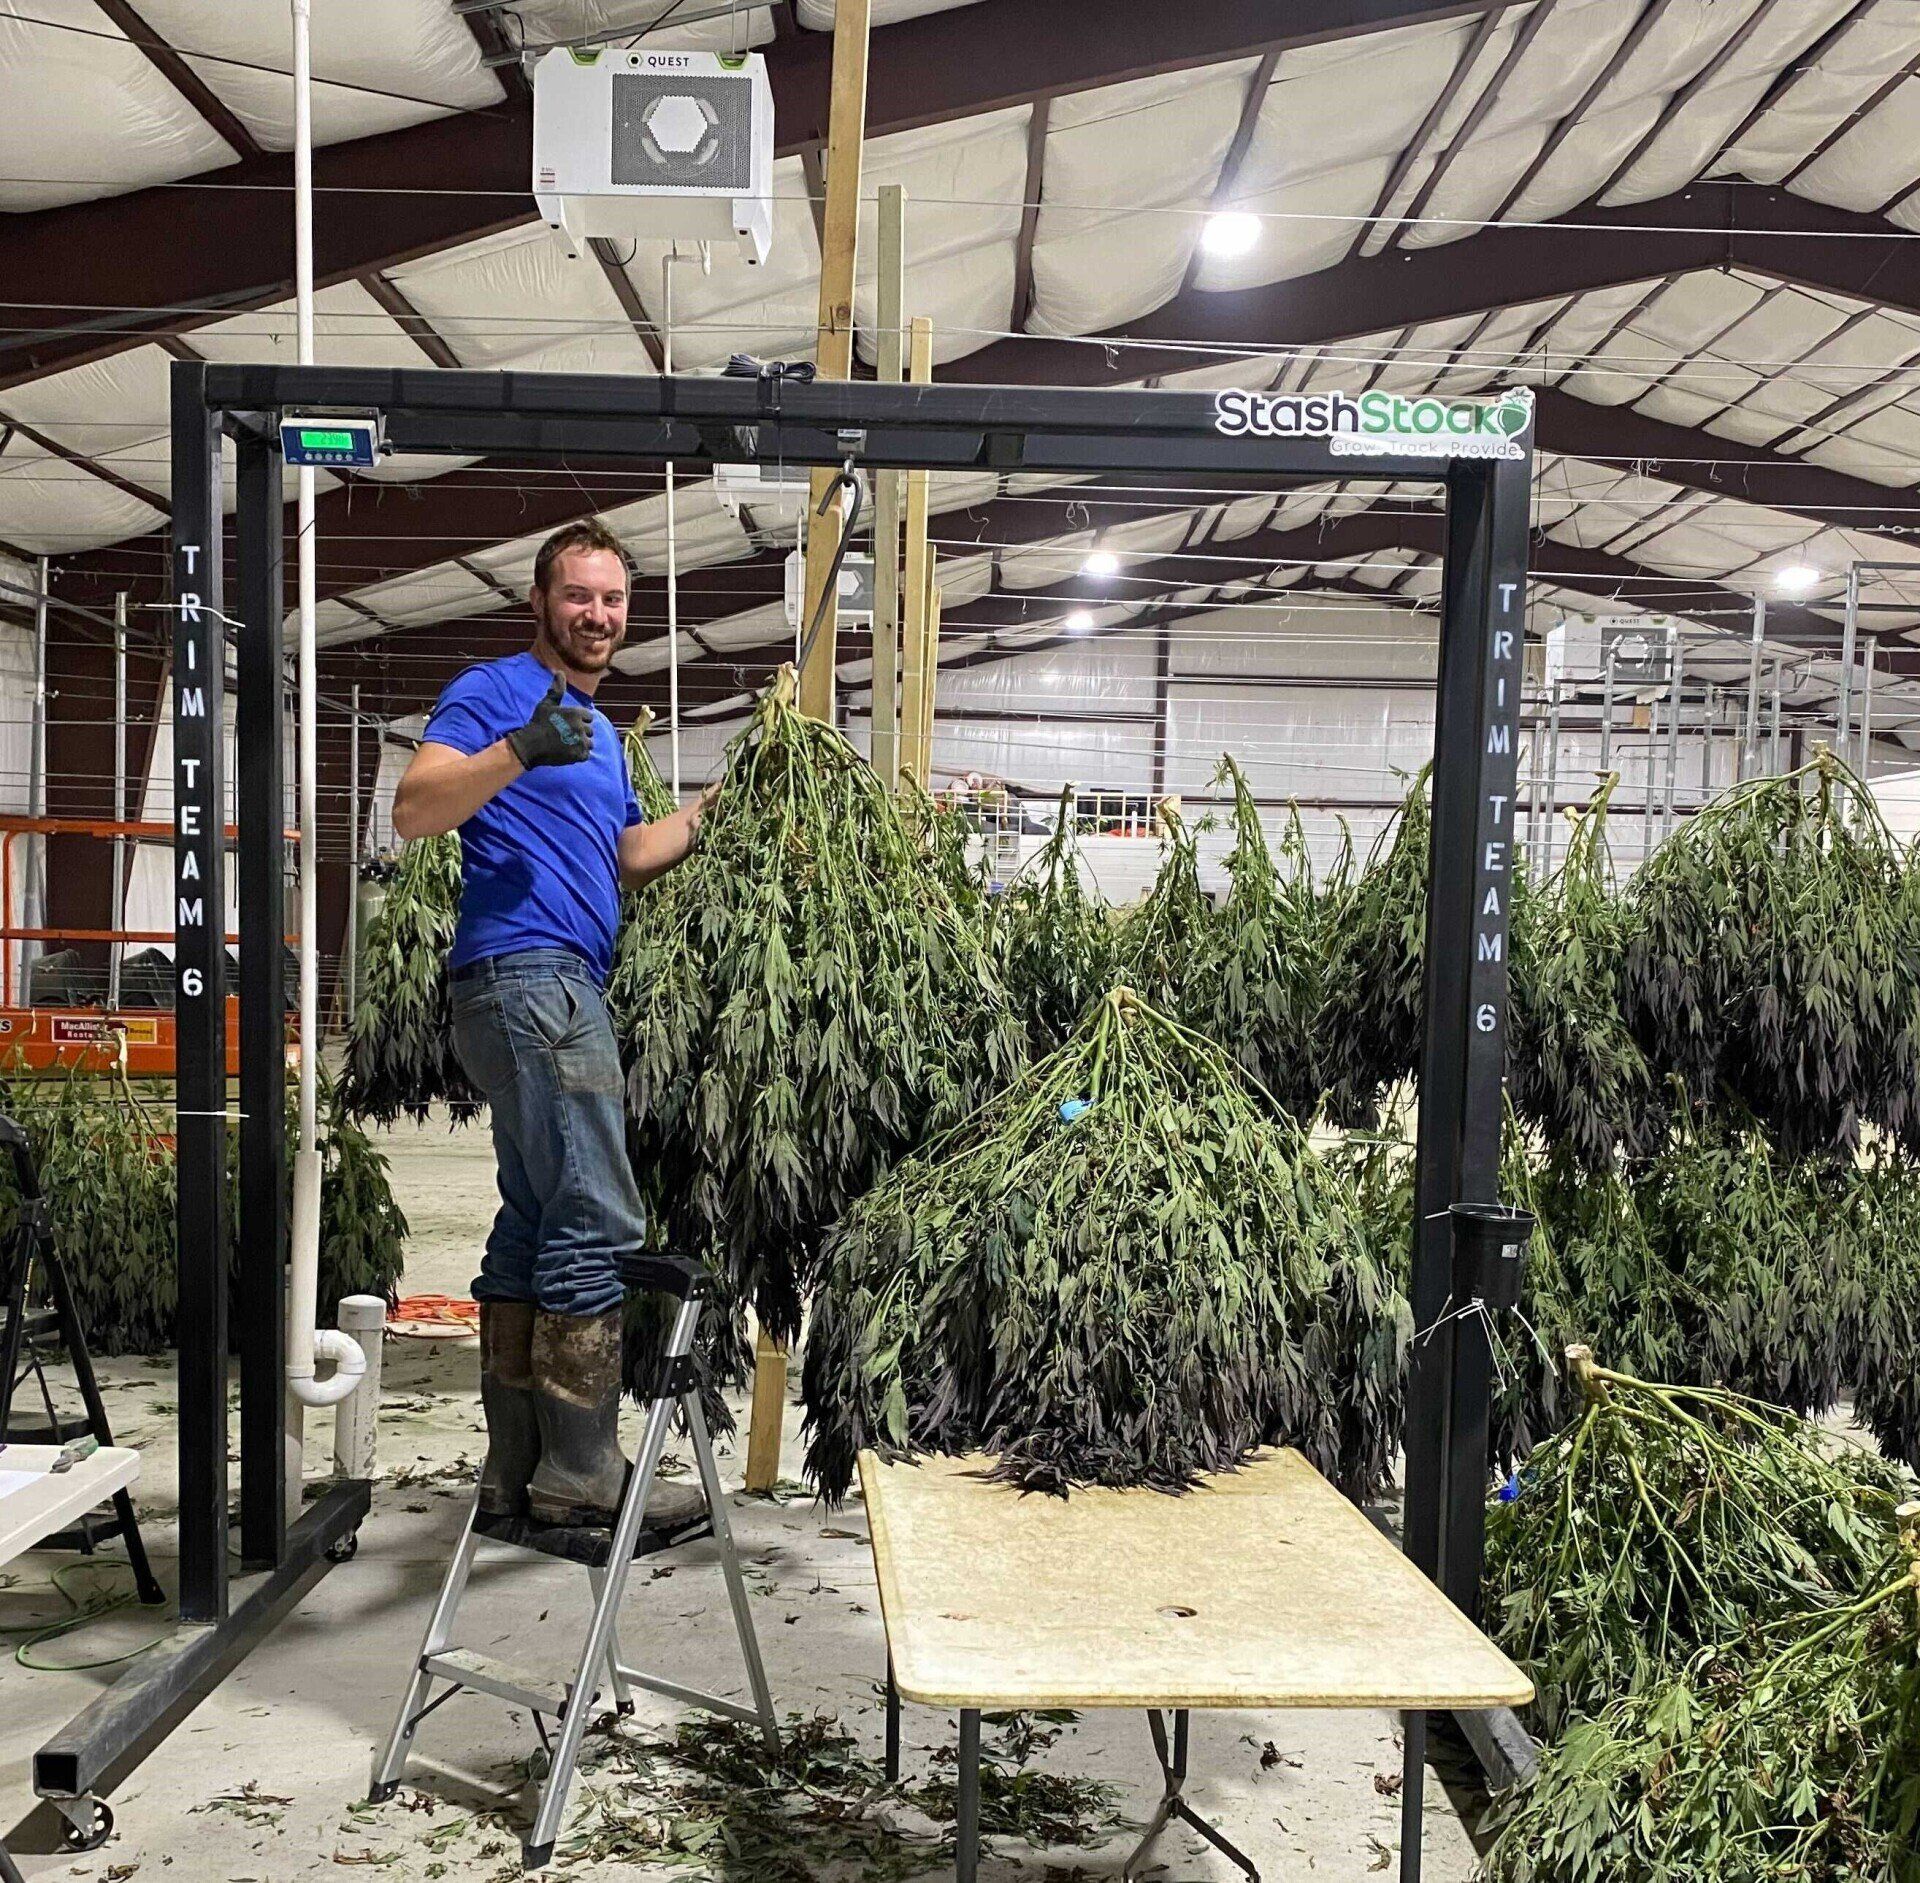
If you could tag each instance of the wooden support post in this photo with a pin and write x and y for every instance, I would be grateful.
(839, 240)
(929, 684)
(889, 496)
(768, 1418)
(919, 579)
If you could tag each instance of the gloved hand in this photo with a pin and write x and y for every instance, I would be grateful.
(557, 734)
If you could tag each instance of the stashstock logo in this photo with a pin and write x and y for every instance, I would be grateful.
(1382, 423)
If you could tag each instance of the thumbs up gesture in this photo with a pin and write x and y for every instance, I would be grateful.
(557, 734)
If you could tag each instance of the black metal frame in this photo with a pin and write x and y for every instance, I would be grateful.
(696, 421)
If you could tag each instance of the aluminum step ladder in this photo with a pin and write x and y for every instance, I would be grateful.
(607, 1557)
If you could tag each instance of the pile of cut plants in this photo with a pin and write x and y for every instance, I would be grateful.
(1721, 1614)
(1127, 1268)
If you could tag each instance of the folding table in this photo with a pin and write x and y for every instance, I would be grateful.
(38, 1502)
(1261, 1588)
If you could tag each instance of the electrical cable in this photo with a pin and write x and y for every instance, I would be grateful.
(83, 1612)
(844, 479)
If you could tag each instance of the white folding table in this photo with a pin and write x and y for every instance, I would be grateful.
(37, 1502)
(1261, 1588)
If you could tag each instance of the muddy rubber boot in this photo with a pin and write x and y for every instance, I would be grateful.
(513, 1426)
(582, 1473)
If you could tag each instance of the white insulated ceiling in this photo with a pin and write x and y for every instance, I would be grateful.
(1407, 138)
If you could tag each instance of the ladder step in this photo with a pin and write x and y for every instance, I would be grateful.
(501, 1679)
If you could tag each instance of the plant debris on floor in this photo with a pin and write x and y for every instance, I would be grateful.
(706, 1798)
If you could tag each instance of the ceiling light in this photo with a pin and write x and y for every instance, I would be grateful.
(1100, 564)
(1079, 621)
(1231, 232)
(1796, 578)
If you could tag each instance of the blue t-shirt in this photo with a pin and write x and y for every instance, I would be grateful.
(540, 861)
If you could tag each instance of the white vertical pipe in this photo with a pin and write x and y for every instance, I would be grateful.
(1673, 733)
(1844, 713)
(1866, 705)
(1750, 751)
(1553, 773)
(673, 547)
(1606, 711)
(352, 982)
(117, 902)
(303, 1281)
(363, 1320)
(34, 894)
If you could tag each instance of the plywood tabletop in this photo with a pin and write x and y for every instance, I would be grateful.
(1262, 1588)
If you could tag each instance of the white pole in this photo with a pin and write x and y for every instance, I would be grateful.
(117, 903)
(35, 896)
(363, 1320)
(1866, 707)
(1849, 629)
(673, 547)
(352, 981)
(303, 1289)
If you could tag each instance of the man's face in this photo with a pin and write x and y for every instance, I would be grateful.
(582, 612)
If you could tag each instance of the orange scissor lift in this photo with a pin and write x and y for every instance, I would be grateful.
(43, 1038)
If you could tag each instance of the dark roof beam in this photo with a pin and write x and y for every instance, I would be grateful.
(207, 104)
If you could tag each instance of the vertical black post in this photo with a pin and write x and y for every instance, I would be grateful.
(261, 1294)
(1470, 875)
(1499, 616)
(200, 995)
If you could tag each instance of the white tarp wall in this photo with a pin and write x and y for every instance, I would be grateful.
(1898, 796)
(16, 766)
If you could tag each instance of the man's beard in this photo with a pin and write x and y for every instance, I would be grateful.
(582, 656)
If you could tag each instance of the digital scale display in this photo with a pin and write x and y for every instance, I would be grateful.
(352, 443)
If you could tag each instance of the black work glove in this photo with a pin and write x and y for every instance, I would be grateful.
(557, 734)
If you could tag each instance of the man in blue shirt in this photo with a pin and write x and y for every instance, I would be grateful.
(520, 761)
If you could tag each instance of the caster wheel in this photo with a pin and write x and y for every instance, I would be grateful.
(94, 1832)
(346, 1549)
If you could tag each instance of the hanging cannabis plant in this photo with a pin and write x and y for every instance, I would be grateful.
(655, 797)
(802, 1005)
(1368, 1030)
(104, 1147)
(1665, 1519)
(1765, 959)
(1883, 1217)
(1126, 1269)
(1166, 942)
(1766, 1272)
(1262, 980)
(400, 1055)
(1573, 1066)
(1053, 939)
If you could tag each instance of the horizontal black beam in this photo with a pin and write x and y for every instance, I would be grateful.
(101, 1744)
(821, 422)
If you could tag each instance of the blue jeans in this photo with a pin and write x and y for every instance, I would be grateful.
(532, 1032)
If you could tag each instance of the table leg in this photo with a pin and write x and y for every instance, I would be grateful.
(893, 1727)
(1413, 1795)
(1173, 1804)
(9, 1873)
(966, 1859)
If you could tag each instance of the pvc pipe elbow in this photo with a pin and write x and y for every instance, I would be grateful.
(349, 1365)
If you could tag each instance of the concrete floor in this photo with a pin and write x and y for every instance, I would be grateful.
(267, 1779)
